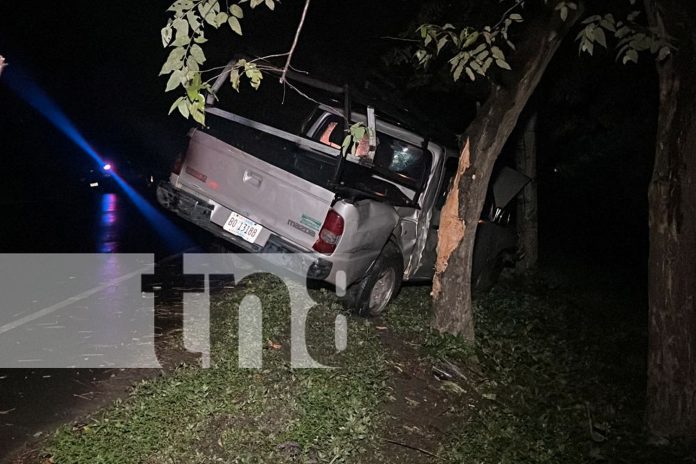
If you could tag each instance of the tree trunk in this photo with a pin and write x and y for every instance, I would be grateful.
(486, 136)
(671, 392)
(527, 218)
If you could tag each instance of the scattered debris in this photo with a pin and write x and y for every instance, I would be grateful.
(414, 448)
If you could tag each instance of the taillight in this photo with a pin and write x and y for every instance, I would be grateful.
(197, 174)
(330, 233)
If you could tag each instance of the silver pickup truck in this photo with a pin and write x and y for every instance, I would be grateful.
(366, 223)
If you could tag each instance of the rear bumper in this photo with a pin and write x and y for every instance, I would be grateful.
(199, 212)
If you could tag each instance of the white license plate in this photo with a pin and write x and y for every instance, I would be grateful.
(242, 227)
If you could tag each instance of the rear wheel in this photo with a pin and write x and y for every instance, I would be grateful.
(371, 295)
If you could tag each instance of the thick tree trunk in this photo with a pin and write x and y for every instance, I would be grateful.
(527, 217)
(671, 393)
(486, 137)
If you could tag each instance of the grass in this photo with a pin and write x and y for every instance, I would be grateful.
(556, 376)
(227, 414)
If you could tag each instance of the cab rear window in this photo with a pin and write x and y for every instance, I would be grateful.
(395, 159)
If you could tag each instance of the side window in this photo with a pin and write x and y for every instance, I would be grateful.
(402, 158)
(396, 160)
(451, 165)
(330, 132)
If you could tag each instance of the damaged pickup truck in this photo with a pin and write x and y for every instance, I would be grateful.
(369, 219)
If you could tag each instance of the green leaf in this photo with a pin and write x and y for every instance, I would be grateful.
(211, 18)
(487, 64)
(478, 49)
(503, 64)
(663, 53)
(470, 73)
(441, 43)
(634, 14)
(497, 53)
(516, 17)
(255, 3)
(175, 104)
(198, 113)
(346, 143)
(183, 107)
(166, 33)
(174, 80)
(192, 64)
(182, 32)
(220, 19)
(600, 37)
(193, 20)
(591, 19)
(270, 4)
(234, 24)
(254, 76)
(174, 61)
(235, 78)
(237, 11)
(197, 53)
(564, 13)
(458, 71)
(631, 55)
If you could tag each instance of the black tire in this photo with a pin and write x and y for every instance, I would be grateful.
(388, 271)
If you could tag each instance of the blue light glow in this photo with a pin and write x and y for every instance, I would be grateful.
(22, 84)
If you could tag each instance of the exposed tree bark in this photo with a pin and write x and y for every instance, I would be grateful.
(527, 217)
(671, 392)
(486, 136)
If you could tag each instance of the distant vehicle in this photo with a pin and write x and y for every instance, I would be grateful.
(99, 177)
(373, 214)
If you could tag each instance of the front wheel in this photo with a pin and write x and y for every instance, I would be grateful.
(371, 295)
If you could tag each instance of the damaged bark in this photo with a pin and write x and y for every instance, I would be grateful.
(485, 138)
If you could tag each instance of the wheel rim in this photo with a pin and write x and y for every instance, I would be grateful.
(382, 291)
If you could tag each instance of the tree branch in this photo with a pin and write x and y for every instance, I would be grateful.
(294, 42)
(507, 12)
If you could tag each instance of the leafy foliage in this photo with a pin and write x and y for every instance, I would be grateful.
(632, 38)
(185, 33)
(473, 51)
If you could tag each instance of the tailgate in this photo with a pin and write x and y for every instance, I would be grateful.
(282, 202)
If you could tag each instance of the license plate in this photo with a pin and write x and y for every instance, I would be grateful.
(242, 227)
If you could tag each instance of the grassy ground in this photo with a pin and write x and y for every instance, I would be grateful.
(227, 414)
(557, 375)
